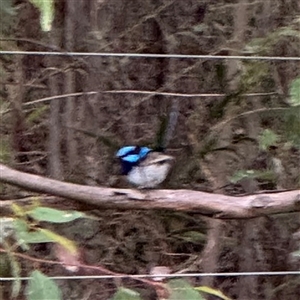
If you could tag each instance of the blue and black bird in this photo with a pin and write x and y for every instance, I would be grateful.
(144, 167)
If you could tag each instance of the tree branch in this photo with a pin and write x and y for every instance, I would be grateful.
(214, 205)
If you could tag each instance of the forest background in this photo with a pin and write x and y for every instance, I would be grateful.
(240, 134)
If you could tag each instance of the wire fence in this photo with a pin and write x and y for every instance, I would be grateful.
(148, 55)
(151, 55)
(183, 275)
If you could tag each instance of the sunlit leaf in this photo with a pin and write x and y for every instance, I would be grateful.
(126, 294)
(35, 237)
(180, 289)
(46, 8)
(26, 236)
(66, 243)
(211, 291)
(54, 215)
(18, 210)
(41, 287)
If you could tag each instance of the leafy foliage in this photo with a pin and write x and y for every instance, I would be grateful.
(266, 44)
(180, 289)
(41, 287)
(46, 8)
(267, 138)
(25, 231)
(126, 294)
(210, 291)
(255, 73)
(54, 215)
(254, 174)
(295, 92)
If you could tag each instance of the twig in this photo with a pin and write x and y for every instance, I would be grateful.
(100, 269)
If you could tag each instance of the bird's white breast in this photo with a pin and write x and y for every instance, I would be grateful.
(149, 176)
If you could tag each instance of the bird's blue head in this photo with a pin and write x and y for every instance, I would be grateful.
(130, 156)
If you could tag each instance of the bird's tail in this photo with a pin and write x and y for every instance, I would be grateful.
(171, 125)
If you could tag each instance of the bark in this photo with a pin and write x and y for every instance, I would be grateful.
(55, 164)
(213, 205)
(16, 94)
(70, 87)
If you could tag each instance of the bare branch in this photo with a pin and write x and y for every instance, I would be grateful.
(214, 205)
(48, 99)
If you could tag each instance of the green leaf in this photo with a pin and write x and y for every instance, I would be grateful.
(46, 8)
(14, 268)
(21, 231)
(193, 236)
(41, 287)
(52, 215)
(66, 243)
(267, 138)
(211, 291)
(24, 236)
(180, 290)
(126, 294)
(261, 175)
(35, 237)
(241, 174)
(18, 210)
(295, 92)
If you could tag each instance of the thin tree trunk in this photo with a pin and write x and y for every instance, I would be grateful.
(54, 143)
(69, 87)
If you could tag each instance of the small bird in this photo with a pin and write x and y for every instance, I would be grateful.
(144, 167)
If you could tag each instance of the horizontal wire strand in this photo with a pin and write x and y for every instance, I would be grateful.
(145, 55)
(229, 274)
(150, 55)
(57, 97)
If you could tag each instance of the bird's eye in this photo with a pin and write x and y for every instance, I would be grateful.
(136, 150)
